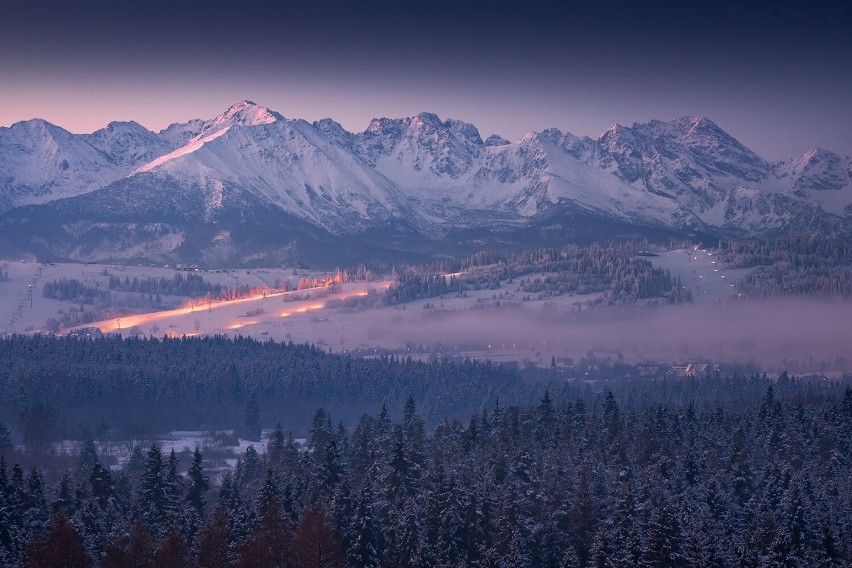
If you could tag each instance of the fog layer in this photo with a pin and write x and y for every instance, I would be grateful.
(772, 333)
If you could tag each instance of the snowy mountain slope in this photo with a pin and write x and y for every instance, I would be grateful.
(723, 183)
(40, 162)
(818, 176)
(419, 175)
(453, 177)
(566, 180)
(244, 113)
(288, 163)
(419, 147)
(180, 133)
(690, 159)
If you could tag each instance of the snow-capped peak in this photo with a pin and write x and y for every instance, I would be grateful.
(818, 153)
(125, 125)
(496, 140)
(817, 169)
(248, 113)
(243, 113)
(429, 118)
(617, 134)
(697, 126)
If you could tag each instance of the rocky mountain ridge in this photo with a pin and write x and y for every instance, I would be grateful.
(412, 176)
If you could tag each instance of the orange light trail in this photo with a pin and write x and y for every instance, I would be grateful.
(240, 324)
(126, 322)
(200, 306)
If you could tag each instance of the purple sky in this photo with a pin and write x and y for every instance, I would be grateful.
(776, 76)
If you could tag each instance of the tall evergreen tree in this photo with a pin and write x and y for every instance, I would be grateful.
(364, 552)
(198, 484)
(172, 552)
(252, 418)
(272, 545)
(317, 543)
(140, 548)
(212, 548)
(664, 538)
(61, 547)
(154, 502)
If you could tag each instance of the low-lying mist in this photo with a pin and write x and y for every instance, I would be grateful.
(777, 334)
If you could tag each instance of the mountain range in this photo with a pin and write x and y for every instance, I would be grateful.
(251, 186)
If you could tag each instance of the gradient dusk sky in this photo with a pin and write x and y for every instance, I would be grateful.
(776, 75)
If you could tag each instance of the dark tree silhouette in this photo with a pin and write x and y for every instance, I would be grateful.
(61, 547)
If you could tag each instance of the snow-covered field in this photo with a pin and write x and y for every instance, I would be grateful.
(708, 278)
(220, 448)
(21, 313)
(501, 325)
(320, 320)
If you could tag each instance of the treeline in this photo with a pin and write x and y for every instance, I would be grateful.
(798, 251)
(194, 286)
(74, 317)
(73, 290)
(207, 383)
(628, 284)
(576, 479)
(802, 265)
(784, 281)
(328, 280)
(141, 295)
(412, 285)
(104, 305)
(615, 269)
(188, 285)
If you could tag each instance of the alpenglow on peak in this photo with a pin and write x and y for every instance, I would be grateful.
(246, 113)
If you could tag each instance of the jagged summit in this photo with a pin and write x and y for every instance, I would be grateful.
(818, 153)
(817, 171)
(429, 118)
(124, 124)
(428, 121)
(496, 140)
(32, 125)
(689, 122)
(243, 113)
(248, 113)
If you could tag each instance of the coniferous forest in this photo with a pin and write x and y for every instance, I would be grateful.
(722, 471)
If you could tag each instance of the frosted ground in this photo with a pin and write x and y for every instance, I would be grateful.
(220, 448)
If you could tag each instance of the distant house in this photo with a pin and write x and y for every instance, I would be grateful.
(697, 369)
(692, 370)
(679, 370)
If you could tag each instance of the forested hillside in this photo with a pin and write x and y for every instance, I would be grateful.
(81, 385)
(793, 266)
(615, 269)
(715, 472)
